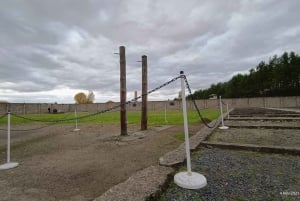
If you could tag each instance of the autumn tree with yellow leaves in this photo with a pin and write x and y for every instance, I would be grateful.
(82, 98)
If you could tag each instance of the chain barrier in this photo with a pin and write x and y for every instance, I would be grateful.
(113, 108)
(31, 129)
(155, 89)
(195, 105)
(41, 120)
(100, 112)
(223, 102)
(38, 128)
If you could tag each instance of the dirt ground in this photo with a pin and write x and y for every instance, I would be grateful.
(56, 163)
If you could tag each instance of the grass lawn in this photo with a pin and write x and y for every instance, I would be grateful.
(133, 117)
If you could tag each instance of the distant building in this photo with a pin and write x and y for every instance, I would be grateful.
(213, 96)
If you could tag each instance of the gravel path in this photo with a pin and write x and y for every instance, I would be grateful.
(271, 137)
(241, 175)
(260, 123)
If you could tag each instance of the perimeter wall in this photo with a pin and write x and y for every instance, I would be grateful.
(264, 102)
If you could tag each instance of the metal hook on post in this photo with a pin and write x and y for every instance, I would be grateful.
(188, 179)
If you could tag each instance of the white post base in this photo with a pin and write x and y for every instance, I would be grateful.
(223, 127)
(193, 181)
(76, 129)
(9, 165)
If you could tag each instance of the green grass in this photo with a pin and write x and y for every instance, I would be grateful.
(174, 117)
(180, 136)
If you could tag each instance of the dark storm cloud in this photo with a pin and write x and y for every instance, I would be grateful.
(61, 47)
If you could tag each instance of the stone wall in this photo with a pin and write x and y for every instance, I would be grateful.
(39, 108)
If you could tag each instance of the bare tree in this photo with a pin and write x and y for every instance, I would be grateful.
(82, 98)
(90, 97)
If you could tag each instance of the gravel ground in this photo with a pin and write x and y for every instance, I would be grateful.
(241, 176)
(259, 123)
(261, 112)
(271, 137)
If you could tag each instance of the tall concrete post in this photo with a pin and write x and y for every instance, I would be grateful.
(123, 117)
(144, 91)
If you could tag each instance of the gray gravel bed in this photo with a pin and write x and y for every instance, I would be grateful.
(278, 137)
(241, 175)
(275, 123)
(261, 112)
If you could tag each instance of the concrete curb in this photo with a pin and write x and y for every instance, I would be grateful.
(143, 185)
(251, 147)
(286, 109)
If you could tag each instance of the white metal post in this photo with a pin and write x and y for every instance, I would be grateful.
(166, 121)
(76, 128)
(227, 112)
(222, 116)
(188, 179)
(8, 164)
(8, 137)
(186, 130)
(221, 109)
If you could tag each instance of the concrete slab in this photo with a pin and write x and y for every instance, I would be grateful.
(140, 186)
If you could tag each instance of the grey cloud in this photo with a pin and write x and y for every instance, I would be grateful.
(49, 45)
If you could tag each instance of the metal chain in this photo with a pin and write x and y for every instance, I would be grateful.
(223, 102)
(31, 129)
(100, 112)
(41, 120)
(195, 105)
(155, 89)
(117, 106)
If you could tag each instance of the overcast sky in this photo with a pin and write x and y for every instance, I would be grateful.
(50, 50)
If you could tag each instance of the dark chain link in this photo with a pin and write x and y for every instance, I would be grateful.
(100, 112)
(117, 106)
(31, 129)
(195, 105)
(223, 102)
(41, 120)
(155, 89)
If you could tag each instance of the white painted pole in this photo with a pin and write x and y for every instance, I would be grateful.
(188, 179)
(76, 123)
(186, 130)
(222, 117)
(166, 113)
(227, 111)
(8, 137)
(8, 164)
(221, 109)
(76, 118)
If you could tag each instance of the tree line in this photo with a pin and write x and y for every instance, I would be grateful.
(279, 77)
